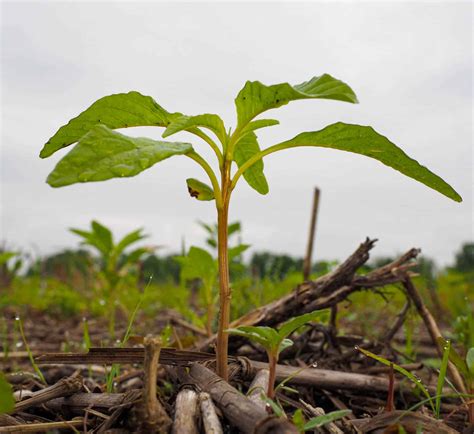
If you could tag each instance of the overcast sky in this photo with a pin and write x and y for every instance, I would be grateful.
(409, 63)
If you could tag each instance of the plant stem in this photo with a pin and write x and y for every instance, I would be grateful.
(224, 291)
(223, 262)
(272, 362)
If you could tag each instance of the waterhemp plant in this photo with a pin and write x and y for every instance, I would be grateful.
(115, 259)
(274, 341)
(101, 153)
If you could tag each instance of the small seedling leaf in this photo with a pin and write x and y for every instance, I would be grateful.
(284, 344)
(199, 190)
(324, 419)
(210, 121)
(255, 97)
(105, 154)
(403, 371)
(120, 110)
(246, 148)
(366, 141)
(291, 325)
(103, 234)
(265, 336)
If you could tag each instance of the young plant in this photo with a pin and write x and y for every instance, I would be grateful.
(274, 341)
(115, 261)
(102, 153)
(318, 421)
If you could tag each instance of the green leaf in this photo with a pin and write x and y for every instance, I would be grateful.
(6, 256)
(105, 154)
(291, 325)
(245, 148)
(91, 239)
(7, 402)
(210, 121)
(114, 111)
(319, 421)
(233, 228)
(442, 376)
(265, 336)
(470, 361)
(237, 250)
(198, 263)
(259, 123)
(134, 256)
(366, 141)
(256, 97)
(199, 190)
(103, 234)
(298, 419)
(128, 240)
(284, 344)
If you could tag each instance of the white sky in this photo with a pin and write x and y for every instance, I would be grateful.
(409, 63)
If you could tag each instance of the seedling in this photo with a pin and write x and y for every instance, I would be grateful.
(274, 341)
(101, 153)
(318, 421)
(115, 261)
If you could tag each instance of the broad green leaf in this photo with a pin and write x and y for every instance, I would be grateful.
(120, 110)
(291, 325)
(7, 402)
(210, 121)
(103, 234)
(255, 97)
(259, 123)
(245, 148)
(199, 190)
(105, 154)
(128, 240)
(237, 250)
(402, 371)
(470, 361)
(319, 421)
(198, 263)
(366, 141)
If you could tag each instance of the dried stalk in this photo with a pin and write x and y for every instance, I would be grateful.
(64, 387)
(259, 386)
(43, 427)
(186, 412)
(211, 422)
(156, 419)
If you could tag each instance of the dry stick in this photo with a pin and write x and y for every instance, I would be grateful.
(43, 427)
(312, 229)
(211, 422)
(259, 386)
(433, 331)
(327, 379)
(186, 412)
(238, 409)
(110, 355)
(64, 387)
(78, 402)
(156, 418)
